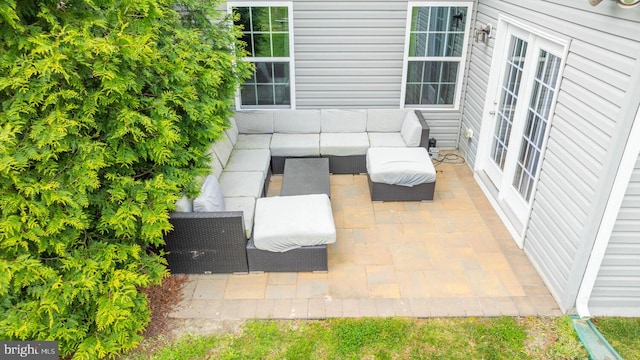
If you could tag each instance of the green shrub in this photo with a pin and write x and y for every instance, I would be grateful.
(107, 109)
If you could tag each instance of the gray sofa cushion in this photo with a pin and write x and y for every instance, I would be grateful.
(254, 122)
(344, 144)
(215, 163)
(245, 204)
(411, 130)
(380, 139)
(385, 120)
(232, 131)
(296, 122)
(242, 183)
(184, 204)
(343, 121)
(253, 141)
(210, 198)
(284, 223)
(400, 166)
(295, 145)
(249, 160)
(222, 148)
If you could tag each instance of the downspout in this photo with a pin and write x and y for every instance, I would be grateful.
(619, 187)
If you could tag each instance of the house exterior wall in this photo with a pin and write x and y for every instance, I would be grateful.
(349, 54)
(617, 288)
(584, 140)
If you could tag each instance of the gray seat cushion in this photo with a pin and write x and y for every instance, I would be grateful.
(296, 121)
(253, 141)
(393, 139)
(245, 204)
(242, 183)
(249, 160)
(254, 121)
(385, 120)
(400, 166)
(295, 145)
(222, 149)
(284, 223)
(344, 144)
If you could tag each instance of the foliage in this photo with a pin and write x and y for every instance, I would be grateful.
(385, 338)
(553, 338)
(353, 335)
(622, 333)
(107, 110)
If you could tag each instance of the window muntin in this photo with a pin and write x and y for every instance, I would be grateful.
(538, 116)
(508, 100)
(435, 54)
(268, 86)
(267, 33)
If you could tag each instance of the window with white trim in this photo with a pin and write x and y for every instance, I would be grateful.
(435, 51)
(267, 31)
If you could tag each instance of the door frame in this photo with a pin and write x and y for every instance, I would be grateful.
(501, 45)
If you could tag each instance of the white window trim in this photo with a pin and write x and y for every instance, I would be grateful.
(290, 59)
(462, 59)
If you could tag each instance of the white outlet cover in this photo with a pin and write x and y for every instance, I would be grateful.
(469, 133)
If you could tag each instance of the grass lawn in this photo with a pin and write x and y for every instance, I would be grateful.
(622, 333)
(383, 338)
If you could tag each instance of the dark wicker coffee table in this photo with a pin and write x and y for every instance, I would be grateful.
(303, 176)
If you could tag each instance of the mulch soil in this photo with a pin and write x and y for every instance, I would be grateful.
(163, 299)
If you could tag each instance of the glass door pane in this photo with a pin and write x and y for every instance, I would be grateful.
(537, 119)
(508, 100)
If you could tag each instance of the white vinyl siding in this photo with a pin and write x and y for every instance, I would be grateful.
(349, 55)
(617, 288)
(603, 51)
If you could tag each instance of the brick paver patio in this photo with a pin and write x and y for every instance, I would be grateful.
(449, 257)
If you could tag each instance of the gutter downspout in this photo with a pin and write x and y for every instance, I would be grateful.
(619, 187)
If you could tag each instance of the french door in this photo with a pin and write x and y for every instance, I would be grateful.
(518, 112)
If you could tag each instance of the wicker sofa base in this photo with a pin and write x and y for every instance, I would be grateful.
(277, 163)
(306, 258)
(351, 164)
(207, 243)
(388, 192)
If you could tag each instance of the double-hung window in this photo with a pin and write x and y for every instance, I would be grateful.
(267, 32)
(435, 50)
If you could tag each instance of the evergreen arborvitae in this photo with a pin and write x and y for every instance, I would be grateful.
(107, 109)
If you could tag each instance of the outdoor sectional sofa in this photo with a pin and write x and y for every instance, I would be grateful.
(216, 237)
(343, 136)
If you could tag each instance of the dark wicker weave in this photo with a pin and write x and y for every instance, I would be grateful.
(352, 164)
(265, 186)
(277, 162)
(387, 192)
(306, 258)
(424, 139)
(208, 242)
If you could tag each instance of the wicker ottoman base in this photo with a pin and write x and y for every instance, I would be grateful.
(388, 192)
(306, 258)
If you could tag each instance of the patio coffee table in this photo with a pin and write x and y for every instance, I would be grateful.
(303, 176)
